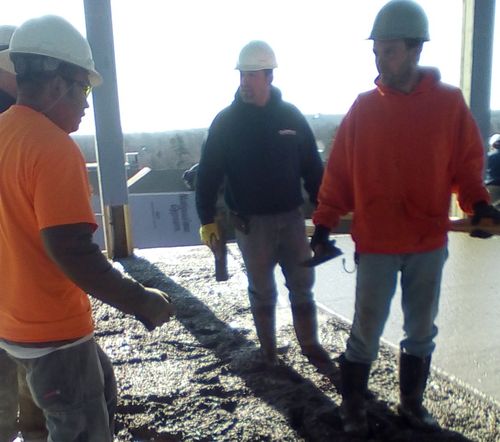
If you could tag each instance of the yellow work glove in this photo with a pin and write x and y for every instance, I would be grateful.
(209, 234)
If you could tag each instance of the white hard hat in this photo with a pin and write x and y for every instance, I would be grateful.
(256, 56)
(51, 36)
(6, 32)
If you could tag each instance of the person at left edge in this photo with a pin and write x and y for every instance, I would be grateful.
(48, 259)
(8, 89)
(492, 176)
(14, 392)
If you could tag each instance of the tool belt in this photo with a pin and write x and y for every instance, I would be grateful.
(240, 222)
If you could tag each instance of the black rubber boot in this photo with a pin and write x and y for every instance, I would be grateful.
(413, 374)
(305, 324)
(354, 387)
(264, 318)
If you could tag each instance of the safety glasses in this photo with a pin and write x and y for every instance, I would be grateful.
(85, 87)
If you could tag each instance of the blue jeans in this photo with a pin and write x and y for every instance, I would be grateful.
(276, 239)
(8, 397)
(375, 287)
(14, 396)
(76, 389)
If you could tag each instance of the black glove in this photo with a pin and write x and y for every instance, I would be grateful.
(324, 249)
(483, 210)
(320, 236)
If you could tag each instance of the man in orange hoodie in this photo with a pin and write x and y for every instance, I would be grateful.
(398, 155)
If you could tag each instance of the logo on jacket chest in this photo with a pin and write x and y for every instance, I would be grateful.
(287, 132)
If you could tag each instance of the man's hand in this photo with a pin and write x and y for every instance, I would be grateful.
(324, 249)
(320, 238)
(209, 235)
(156, 310)
(483, 210)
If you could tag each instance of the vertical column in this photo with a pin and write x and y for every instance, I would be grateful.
(109, 136)
(477, 54)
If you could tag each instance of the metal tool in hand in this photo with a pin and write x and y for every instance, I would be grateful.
(323, 252)
(465, 225)
(219, 249)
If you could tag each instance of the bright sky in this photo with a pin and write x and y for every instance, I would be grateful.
(175, 59)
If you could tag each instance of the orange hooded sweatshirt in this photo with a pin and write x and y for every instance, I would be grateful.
(395, 162)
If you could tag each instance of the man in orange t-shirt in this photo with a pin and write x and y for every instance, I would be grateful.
(49, 262)
(398, 155)
(13, 387)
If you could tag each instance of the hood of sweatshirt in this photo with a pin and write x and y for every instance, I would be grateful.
(274, 99)
(429, 78)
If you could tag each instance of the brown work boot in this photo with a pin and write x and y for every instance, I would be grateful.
(269, 357)
(264, 320)
(305, 324)
(413, 374)
(319, 357)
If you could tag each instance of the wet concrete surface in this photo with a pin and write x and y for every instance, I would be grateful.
(200, 377)
(468, 343)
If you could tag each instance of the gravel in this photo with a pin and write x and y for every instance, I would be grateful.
(200, 378)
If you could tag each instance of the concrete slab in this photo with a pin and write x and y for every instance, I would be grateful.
(468, 343)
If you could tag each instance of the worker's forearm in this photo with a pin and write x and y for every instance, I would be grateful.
(95, 275)
(81, 260)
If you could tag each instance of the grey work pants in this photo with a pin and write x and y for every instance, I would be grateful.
(76, 389)
(272, 240)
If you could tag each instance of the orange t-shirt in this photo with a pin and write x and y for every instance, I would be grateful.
(43, 183)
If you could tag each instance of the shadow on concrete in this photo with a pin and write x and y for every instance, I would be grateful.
(309, 411)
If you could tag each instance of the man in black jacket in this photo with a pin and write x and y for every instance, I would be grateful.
(262, 149)
(492, 179)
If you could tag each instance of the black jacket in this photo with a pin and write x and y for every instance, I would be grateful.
(6, 101)
(262, 154)
(493, 168)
